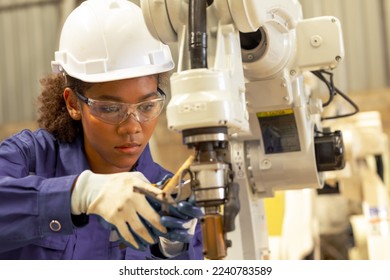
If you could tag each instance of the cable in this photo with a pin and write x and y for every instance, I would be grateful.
(353, 104)
(329, 84)
(333, 90)
(197, 24)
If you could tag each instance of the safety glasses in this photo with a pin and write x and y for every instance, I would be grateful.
(116, 112)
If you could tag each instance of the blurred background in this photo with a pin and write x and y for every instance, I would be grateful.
(30, 31)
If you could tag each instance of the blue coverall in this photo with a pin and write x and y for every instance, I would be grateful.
(36, 175)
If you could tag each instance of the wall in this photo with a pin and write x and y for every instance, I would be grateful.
(29, 30)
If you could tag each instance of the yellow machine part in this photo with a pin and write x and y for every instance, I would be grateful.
(274, 211)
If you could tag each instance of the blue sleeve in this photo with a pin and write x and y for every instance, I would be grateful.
(29, 203)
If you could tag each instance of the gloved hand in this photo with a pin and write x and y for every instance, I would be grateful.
(180, 222)
(111, 196)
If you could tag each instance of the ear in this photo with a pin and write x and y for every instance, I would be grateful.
(72, 104)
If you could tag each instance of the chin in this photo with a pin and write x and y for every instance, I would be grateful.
(125, 166)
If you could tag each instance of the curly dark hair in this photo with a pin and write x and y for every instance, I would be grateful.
(52, 112)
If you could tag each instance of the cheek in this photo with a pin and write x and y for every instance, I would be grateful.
(148, 128)
(96, 131)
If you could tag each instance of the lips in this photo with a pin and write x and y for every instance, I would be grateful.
(129, 148)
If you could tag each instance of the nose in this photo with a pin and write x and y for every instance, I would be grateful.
(130, 125)
(130, 114)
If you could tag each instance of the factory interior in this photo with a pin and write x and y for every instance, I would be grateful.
(347, 218)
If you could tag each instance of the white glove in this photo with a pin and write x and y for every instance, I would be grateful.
(111, 196)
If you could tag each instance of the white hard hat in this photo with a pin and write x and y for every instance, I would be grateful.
(106, 40)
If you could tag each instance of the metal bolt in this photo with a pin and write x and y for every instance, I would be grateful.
(316, 41)
(266, 164)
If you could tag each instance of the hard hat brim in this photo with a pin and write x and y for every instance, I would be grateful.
(115, 74)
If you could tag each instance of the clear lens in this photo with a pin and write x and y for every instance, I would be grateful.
(149, 110)
(116, 113)
(108, 112)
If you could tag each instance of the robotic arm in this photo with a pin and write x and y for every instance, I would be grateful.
(285, 117)
(238, 98)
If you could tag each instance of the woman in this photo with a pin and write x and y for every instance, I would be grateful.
(65, 190)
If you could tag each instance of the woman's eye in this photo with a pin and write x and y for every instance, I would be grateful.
(109, 109)
(146, 107)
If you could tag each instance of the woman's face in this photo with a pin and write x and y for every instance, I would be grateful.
(112, 148)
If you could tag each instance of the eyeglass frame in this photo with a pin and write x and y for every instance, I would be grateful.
(89, 102)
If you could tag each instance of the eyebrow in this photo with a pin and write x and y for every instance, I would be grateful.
(118, 99)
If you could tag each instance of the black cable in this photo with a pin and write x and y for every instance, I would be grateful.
(197, 23)
(329, 84)
(353, 104)
(333, 90)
